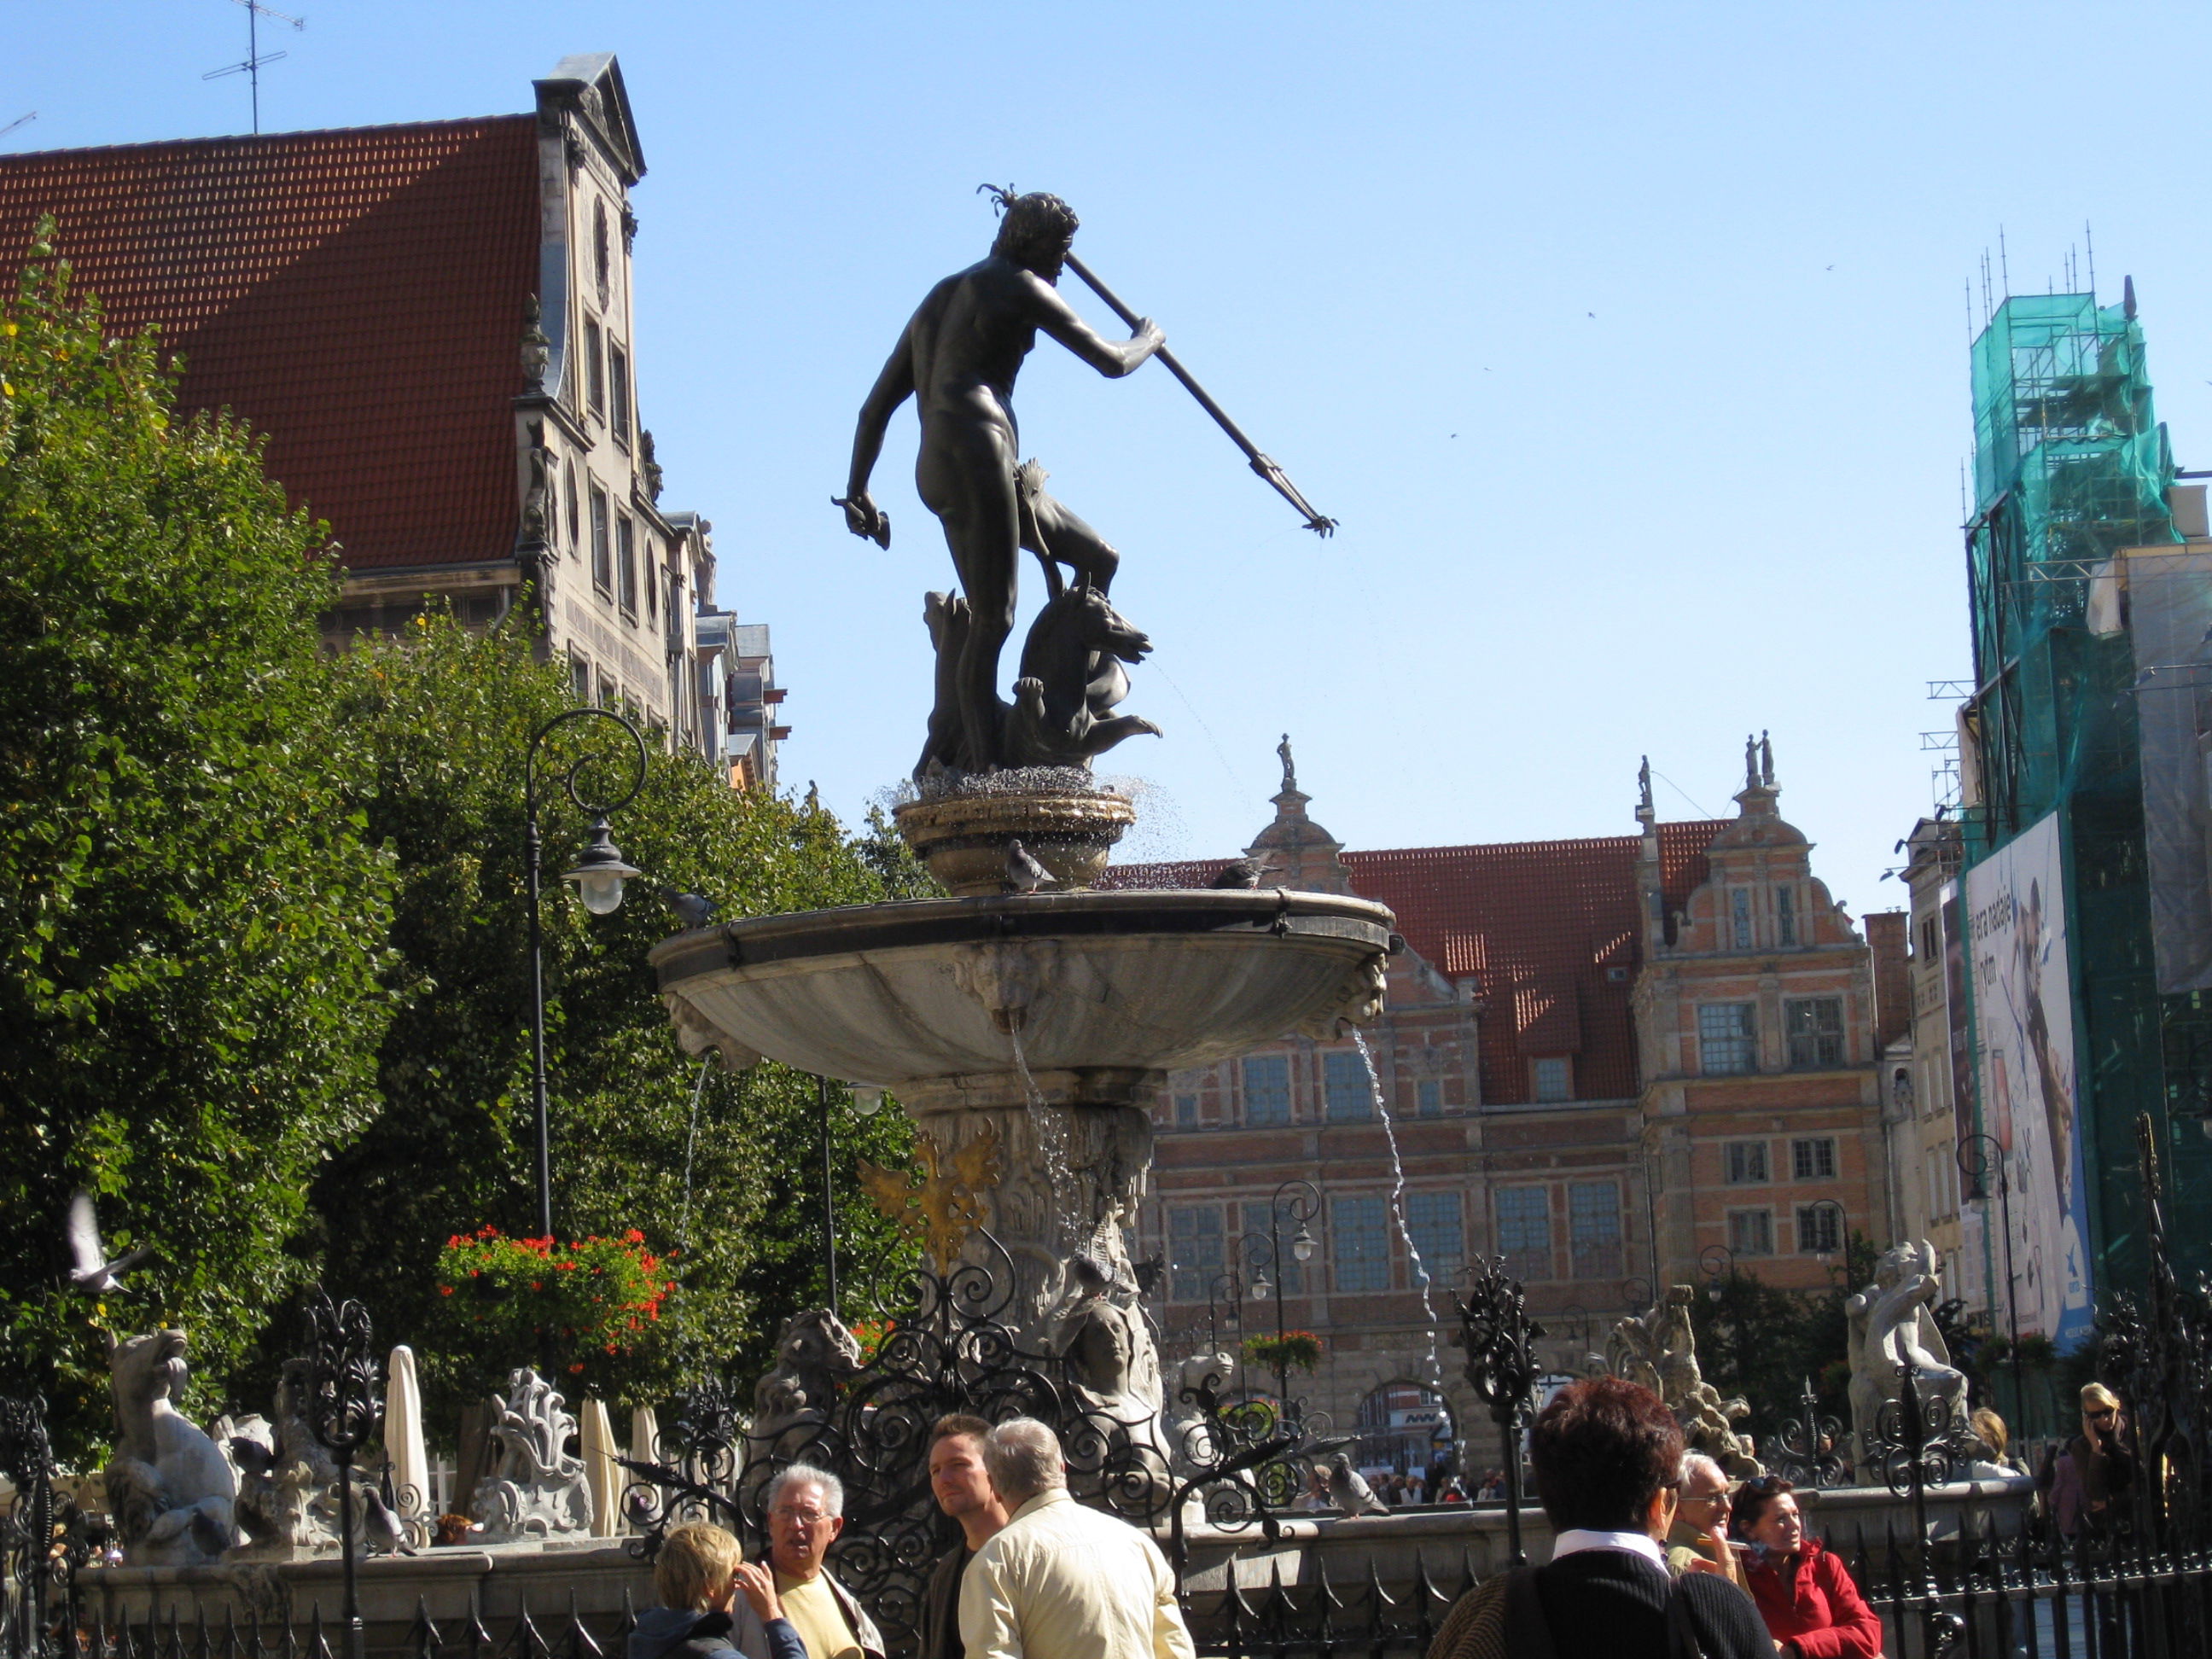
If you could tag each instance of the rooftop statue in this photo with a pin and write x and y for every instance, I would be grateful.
(958, 358)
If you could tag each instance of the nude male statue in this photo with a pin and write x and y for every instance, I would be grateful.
(957, 359)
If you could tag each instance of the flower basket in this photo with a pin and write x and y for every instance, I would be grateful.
(599, 1299)
(1296, 1351)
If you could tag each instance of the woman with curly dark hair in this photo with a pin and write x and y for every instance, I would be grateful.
(1804, 1592)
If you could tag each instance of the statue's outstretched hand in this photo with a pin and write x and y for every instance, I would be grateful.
(1149, 333)
(864, 518)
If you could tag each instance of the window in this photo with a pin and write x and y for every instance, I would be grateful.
(1289, 1273)
(1593, 1229)
(602, 548)
(625, 544)
(1553, 1077)
(602, 254)
(1344, 1083)
(1728, 1039)
(1362, 1246)
(1785, 915)
(1816, 1026)
(1193, 1251)
(1266, 1089)
(1820, 1229)
(1929, 947)
(1524, 1230)
(652, 587)
(1812, 1160)
(1432, 1222)
(595, 370)
(1747, 1162)
(579, 679)
(1185, 1111)
(1739, 917)
(575, 535)
(1429, 1095)
(618, 388)
(1751, 1232)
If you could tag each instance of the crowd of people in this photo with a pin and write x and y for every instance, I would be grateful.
(1655, 1555)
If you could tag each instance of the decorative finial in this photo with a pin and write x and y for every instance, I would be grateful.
(1290, 768)
(537, 349)
(1765, 761)
(1750, 762)
(1643, 807)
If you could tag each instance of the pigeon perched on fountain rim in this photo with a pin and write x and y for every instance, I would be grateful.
(1246, 873)
(1024, 873)
(1349, 1490)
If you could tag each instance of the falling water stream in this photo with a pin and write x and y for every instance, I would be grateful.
(691, 1141)
(1050, 1126)
(1398, 1206)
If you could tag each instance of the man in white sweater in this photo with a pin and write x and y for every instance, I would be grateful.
(1060, 1581)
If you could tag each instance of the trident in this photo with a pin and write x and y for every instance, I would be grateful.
(1262, 465)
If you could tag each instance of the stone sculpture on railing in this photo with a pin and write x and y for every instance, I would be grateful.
(1660, 1350)
(1893, 1323)
(538, 1487)
(168, 1488)
(813, 1355)
(287, 1481)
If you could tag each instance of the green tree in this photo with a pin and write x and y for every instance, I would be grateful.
(1766, 1344)
(720, 1171)
(192, 922)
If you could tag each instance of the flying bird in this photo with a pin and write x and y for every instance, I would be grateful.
(1247, 872)
(1349, 1490)
(1024, 873)
(92, 1271)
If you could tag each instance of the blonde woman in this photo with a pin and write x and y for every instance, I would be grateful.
(698, 1575)
(2082, 1483)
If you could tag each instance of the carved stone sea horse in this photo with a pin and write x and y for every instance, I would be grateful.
(170, 1491)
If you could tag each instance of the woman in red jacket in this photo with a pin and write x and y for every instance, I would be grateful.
(1804, 1592)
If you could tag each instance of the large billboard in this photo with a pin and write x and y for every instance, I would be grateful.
(2170, 617)
(2024, 1070)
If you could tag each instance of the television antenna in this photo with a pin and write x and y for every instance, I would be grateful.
(19, 121)
(251, 68)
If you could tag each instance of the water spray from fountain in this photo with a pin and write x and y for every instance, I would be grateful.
(1398, 1206)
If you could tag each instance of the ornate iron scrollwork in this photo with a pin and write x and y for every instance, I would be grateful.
(1809, 1449)
(950, 1347)
(1500, 1340)
(43, 1539)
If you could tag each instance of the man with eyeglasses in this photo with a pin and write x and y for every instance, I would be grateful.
(805, 1512)
(1699, 1541)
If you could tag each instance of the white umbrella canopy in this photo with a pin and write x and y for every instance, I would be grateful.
(403, 1437)
(605, 1475)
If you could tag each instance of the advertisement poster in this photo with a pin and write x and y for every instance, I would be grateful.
(2024, 1024)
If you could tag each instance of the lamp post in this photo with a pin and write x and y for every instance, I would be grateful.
(1225, 1287)
(1974, 1162)
(599, 875)
(1716, 1262)
(1302, 1200)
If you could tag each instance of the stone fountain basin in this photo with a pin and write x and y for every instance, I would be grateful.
(1138, 983)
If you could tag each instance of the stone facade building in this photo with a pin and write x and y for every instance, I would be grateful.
(433, 325)
(1925, 1081)
(1544, 1085)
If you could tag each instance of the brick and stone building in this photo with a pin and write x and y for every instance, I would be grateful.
(1557, 1094)
(433, 325)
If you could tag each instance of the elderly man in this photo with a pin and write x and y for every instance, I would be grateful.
(1607, 1455)
(1699, 1541)
(805, 1512)
(962, 1486)
(1060, 1581)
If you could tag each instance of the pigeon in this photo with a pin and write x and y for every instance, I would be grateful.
(1244, 873)
(382, 1531)
(92, 1271)
(692, 909)
(1349, 1490)
(1150, 1272)
(1024, 873)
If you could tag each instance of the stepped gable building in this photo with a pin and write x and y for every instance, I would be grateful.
(432, 323)
(1557, 1094)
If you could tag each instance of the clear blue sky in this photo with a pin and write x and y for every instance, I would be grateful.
(1628, 343)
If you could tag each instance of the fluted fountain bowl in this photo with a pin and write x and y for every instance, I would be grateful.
(1066, 997)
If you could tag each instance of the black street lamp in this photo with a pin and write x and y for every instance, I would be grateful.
(1716, 1262)
(1225, 1287)
(599, 875)
(1302, 1201)
(1975, 1164)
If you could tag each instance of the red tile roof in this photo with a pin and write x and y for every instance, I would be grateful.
(357, 295)
(1539, 923)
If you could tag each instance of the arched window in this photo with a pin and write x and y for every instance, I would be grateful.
(575, 535)
(602, 256)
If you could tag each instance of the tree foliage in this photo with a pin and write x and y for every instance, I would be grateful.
(265, 983)
(191, 917)
(1766, 1344)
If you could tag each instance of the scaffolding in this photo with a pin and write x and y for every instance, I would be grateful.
(2071, 466)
